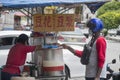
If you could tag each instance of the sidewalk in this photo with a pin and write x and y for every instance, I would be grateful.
(114, 38)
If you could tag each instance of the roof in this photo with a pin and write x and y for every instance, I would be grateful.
(36, 3)
(19, 14)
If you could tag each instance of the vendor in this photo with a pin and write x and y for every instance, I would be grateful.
(17, 57)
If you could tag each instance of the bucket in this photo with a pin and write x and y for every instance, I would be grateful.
(53, 64)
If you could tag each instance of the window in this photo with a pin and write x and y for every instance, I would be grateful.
(6, 42)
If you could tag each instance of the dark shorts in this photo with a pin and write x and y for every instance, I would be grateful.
(7, 76)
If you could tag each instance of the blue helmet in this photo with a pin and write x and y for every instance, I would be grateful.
(95, 24)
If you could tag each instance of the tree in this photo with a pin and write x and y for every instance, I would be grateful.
(111, 19)
(109, 6)
(110, 14)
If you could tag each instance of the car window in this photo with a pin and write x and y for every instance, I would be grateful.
(6, 42)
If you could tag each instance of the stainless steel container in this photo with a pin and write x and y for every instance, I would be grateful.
(53, 64)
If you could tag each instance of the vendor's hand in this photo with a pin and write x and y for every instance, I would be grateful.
(38, 47)
(64, 46)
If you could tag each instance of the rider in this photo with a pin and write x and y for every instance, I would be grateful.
(96, 69)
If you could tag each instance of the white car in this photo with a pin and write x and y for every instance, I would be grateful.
(73, 67)
(112, 32)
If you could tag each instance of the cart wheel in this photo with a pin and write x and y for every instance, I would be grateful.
(67, 73)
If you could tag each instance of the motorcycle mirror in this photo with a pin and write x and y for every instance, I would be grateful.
(113, 61)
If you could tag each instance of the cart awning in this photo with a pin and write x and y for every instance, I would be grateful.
(37, 3)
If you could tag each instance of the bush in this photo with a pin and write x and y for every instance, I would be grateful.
(111, 19)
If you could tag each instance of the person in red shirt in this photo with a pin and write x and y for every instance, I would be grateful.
(16, 57)
(96, 68)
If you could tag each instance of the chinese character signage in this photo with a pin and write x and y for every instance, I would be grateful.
(53, 22)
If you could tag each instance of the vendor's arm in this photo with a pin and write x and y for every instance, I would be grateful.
(101, 50)
(75, 52)
(33, 48)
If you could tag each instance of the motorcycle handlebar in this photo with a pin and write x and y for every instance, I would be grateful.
(109, 70)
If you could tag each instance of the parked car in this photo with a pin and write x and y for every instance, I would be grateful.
(75, 37)
(118, 30)
(112, 32)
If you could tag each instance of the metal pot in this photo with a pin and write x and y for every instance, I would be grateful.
(53, 64)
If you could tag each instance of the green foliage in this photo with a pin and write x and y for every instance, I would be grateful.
(110, 14)
(111, 19)
(109, 6)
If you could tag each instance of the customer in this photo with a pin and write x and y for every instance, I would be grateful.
(16, 57)
(96, 69)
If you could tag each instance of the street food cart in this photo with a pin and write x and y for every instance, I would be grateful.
(48, 62)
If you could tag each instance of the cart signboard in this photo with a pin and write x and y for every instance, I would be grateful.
(53, 22)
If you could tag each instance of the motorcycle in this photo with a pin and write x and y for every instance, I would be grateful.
(111, 73)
